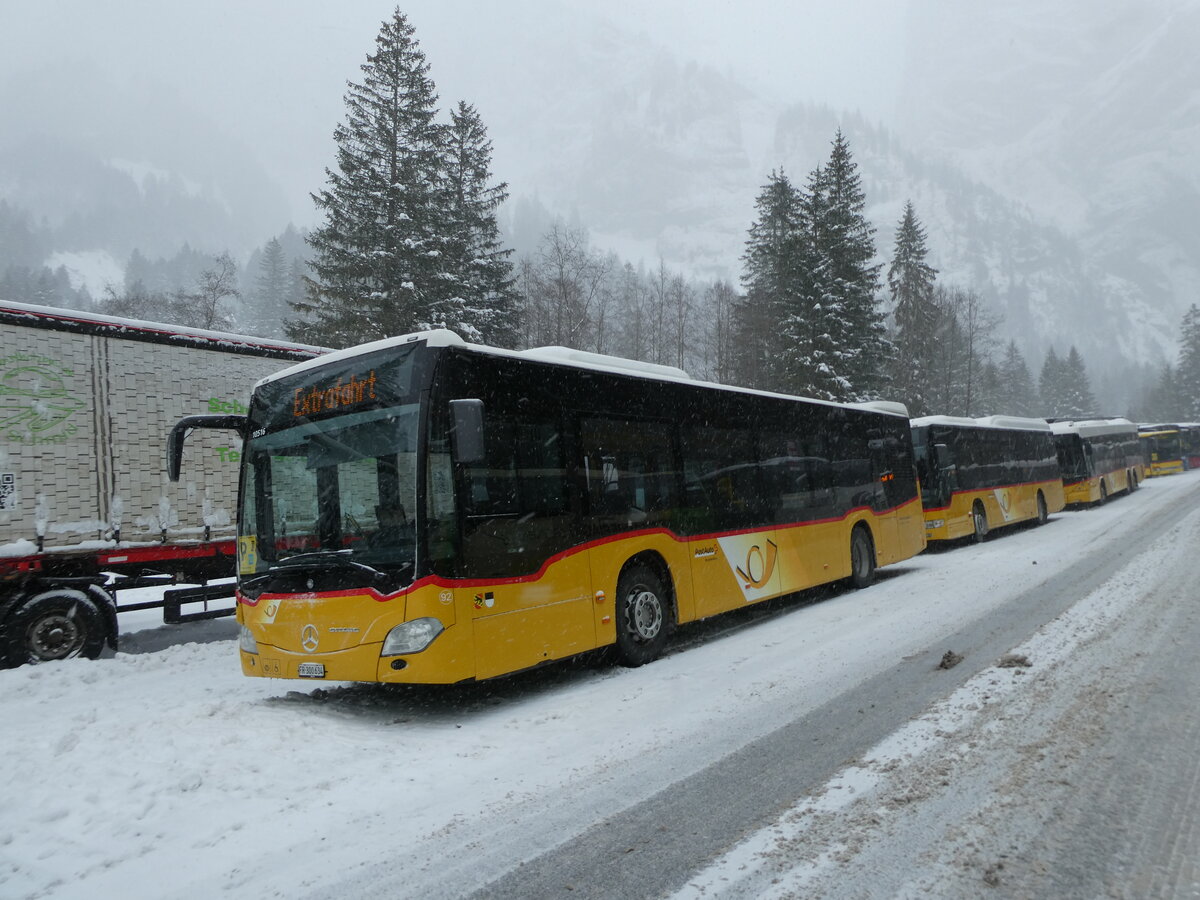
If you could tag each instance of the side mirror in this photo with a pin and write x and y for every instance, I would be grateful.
(184, 427)
(466, 434)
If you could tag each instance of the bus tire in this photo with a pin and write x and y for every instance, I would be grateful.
(643, 614)
(862, 557)
(979, 520)
(1103, 493)
(1042, 512)
(58, 624)
(1133, 482)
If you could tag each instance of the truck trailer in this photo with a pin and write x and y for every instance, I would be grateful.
(86, 509)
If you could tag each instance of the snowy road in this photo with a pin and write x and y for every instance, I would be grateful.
(809, 749)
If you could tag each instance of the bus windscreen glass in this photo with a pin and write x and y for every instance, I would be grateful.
(330, 476)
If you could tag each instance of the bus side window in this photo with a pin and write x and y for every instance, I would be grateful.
(724, 488)
(517, 499)
(629, 470)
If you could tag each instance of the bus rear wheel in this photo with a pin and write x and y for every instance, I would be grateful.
(979, 520)
(643, 616)
(1103, 493)
(862, 557)
(1042, 512)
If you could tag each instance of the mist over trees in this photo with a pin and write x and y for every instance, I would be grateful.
(1174, 396)
(412, 238)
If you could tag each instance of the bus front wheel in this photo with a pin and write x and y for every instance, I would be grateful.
(979, 520)
(643, 616)
(862, 557)
(1042, 512)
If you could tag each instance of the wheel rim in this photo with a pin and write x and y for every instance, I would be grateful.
(861, 563)
(55, 636)
(645, 614)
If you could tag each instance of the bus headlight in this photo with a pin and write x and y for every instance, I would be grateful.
(411, 637)
(246, 641)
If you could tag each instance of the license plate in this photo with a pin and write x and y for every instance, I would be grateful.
(311, 670)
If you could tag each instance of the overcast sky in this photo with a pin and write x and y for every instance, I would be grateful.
(274, 71)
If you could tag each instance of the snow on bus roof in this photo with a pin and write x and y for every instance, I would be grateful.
(580, 359)
(160, 329)
(1018, 423)
(1090, 428)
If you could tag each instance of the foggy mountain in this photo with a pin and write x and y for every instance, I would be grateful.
(1091, 118)
(108, 166)
(1051, 165)
(665, 158)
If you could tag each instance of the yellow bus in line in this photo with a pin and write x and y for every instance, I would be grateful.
(1162, 445)
(425, 510)
(1098, 458)
(981, 474)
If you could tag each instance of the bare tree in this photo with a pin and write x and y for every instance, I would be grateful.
(964, 338)
(207, 304)
(719, 302)
(562, 288)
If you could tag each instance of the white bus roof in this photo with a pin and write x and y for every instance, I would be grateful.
(1016, 423)
(580, 359)
(1090, 428)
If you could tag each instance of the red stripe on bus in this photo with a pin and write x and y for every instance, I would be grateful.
(442, 581)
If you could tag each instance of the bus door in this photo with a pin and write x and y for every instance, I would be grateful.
(529, 590)
(731, 516)
(631, 497)
(884, 453)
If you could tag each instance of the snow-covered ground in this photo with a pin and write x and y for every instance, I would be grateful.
(162, 773)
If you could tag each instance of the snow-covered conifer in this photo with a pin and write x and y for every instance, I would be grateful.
(376, 258)
(911, 282)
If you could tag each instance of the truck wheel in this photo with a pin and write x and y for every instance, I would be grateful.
(59, 624)
(643, 615)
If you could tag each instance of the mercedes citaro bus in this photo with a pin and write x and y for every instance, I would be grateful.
(981, 474)
(424, 510)
(1098, 458)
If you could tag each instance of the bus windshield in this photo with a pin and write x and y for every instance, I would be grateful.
(1073, 457)
(330, 477)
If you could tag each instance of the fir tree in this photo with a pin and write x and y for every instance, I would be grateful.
(271, 291)
(1077, 399)
(843, 242)
(1017, 395)
(1189, 365)
(769, 277)
(477, 276)
(1052, 387)
(911, 283)
(376, 256)
(990, 392)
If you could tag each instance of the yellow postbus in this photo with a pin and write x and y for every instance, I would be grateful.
(981, 474)
(424, 510)
(1189, 436)
(1098, 458)
(1162, 446)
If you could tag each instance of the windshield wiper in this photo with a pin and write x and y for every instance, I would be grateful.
(323, 570)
